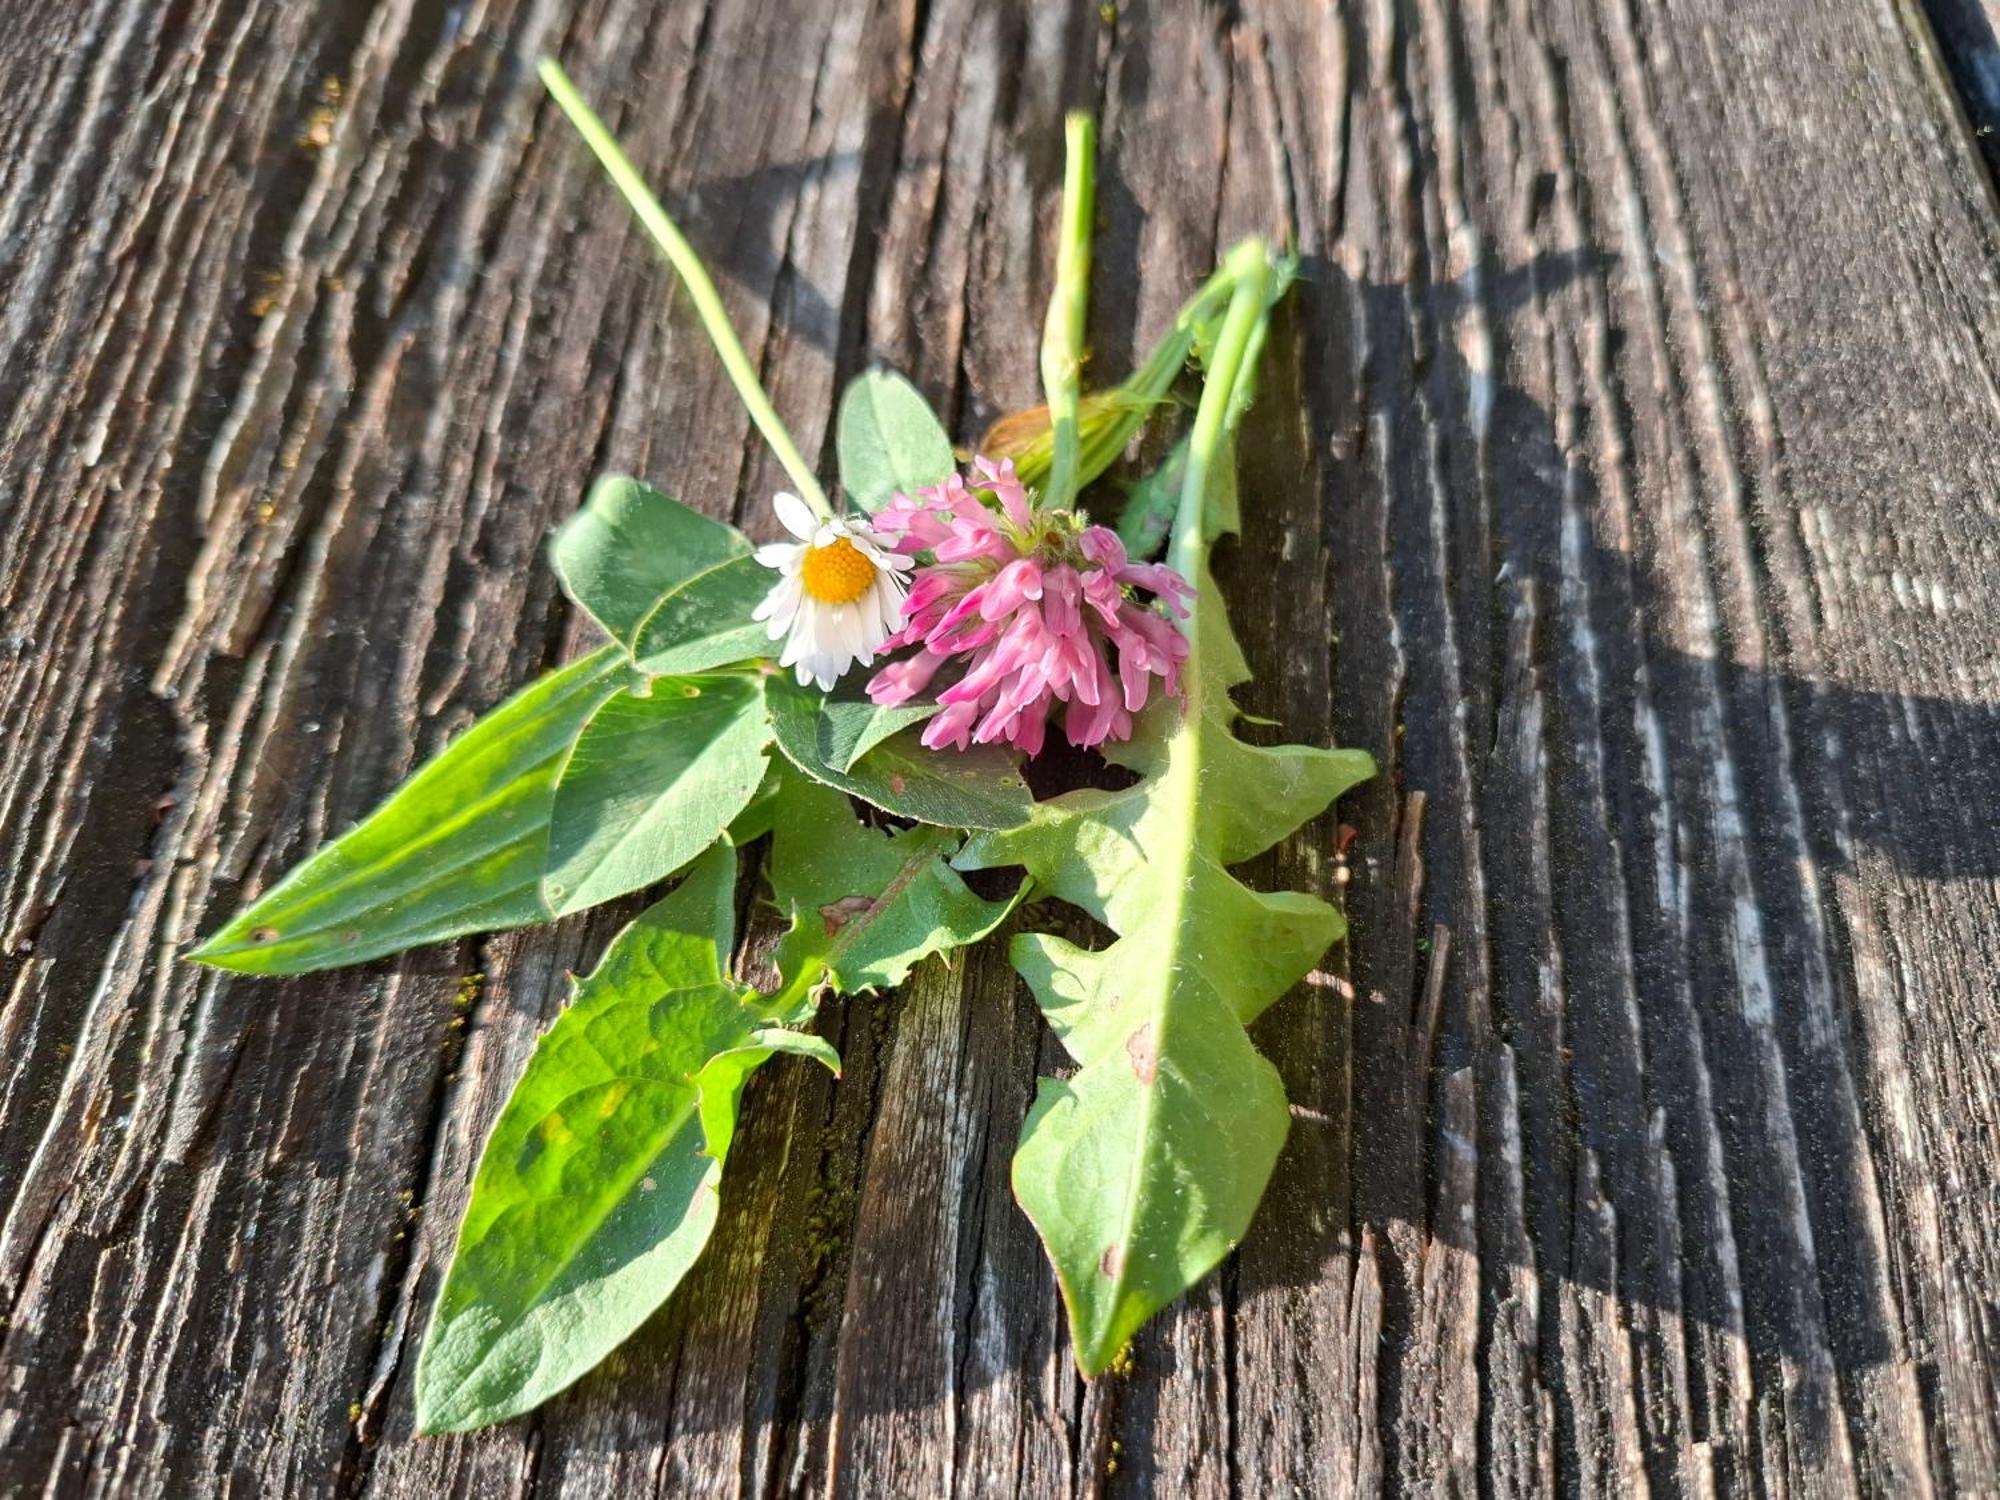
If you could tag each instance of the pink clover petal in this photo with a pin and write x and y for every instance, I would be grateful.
(1028, 617)
(1031, 727)
(1101, 545)
(969, 607)
(1167, 642)
(996, 725)
(1013, 495)
(1061, 589)
(1134, 674)
(1019, 582)
(1087, 724)
(952, 726)
(901, 681)
(933, 590)
(1102, 593)
(962, 639)
(969, 542)
(1090, 673)
(1158, 578)
(996, 665)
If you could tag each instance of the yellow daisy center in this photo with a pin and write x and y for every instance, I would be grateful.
(836, 573)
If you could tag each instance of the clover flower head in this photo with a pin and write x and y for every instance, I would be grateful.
(1035, 606)
(839, 593)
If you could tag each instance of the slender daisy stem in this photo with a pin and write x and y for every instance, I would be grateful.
(1228, 365)
(1063, 332)
(680, 254)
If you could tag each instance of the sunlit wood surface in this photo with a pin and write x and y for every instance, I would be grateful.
(1626, 477)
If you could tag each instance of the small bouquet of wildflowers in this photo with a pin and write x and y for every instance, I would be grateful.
(903, 651)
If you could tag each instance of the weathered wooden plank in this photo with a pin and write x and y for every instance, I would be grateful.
(1619, 479)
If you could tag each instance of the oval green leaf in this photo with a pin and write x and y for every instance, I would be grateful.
(671, 585)
(889, 440)
(654, 780)
(705, 623)
(976, 788)
(599, 1186)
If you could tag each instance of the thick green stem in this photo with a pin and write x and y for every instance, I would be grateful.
(1063, 332)
(680, 254)
(1109, 420)
(1148, 385)
(1228, 364)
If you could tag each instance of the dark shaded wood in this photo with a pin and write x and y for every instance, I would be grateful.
(1624, 478)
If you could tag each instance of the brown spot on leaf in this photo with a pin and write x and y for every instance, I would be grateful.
(843, 911)
(1112, 1261)
(1143, 1047)
(897, 784)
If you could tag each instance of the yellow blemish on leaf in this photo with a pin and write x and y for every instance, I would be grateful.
(556, 1131)
(613, 1099)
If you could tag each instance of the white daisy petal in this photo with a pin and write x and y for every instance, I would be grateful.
(824, 639)
(888, 613)
(780, 607)
(795, 515)
(778, 554)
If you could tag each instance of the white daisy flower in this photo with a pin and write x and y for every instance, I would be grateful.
(839, 595)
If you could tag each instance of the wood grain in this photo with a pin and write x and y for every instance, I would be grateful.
(1623, 478)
